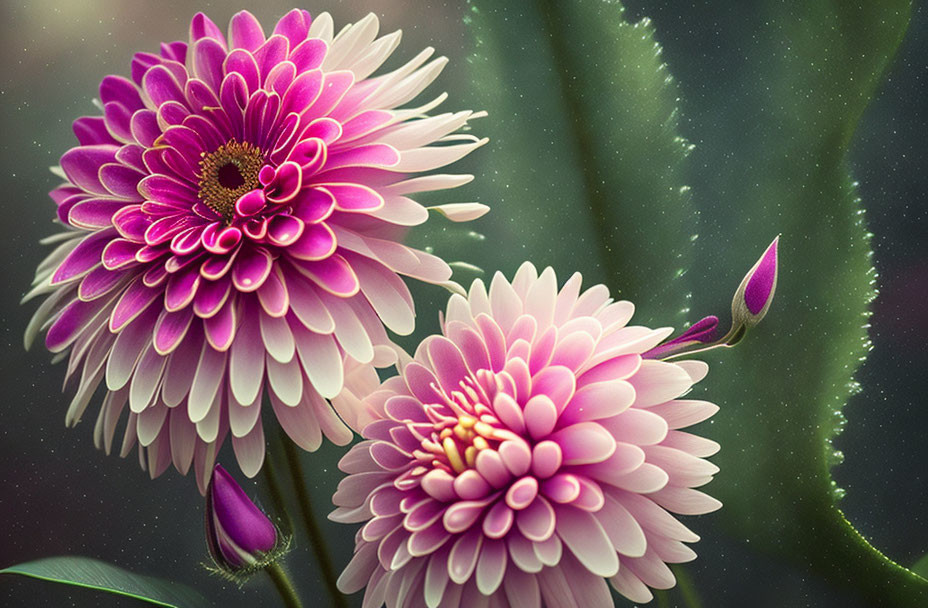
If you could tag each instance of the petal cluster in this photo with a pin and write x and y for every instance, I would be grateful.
(526, 455)
(233, 225)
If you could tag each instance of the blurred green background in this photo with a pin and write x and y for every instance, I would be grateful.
(767, 92)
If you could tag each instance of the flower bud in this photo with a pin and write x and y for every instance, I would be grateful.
(240, 536)
(754, 295)
(700, 333)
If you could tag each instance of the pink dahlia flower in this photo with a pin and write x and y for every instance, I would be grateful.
(526, 455)
(232, 226)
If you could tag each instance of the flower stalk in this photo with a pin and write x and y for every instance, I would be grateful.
(283, 585)
(316, 538)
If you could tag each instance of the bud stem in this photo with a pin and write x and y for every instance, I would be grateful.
(728, 340)
(283, 585)
(316, 539)
(276, 494)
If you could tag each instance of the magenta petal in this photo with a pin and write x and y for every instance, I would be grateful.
(334, 87)
(294, 26)
(121, 180)
(187, 241)
(333, 274)
(208, 58)
(211, 296)
(369, 155)
(219, 240)
(82, 166)
(303, 91)
(202, 26)
(167, 190)
(121, 90)
(181, 289)
(309, 154)
(233, 520)
(245, 32)
(70, 323)
(243, 63)
(763, 279)
(120, 253)
(162, 87)
(217, 266)
(84, 258)
(118, 120)
(171, 329)
(255, 228)
(309, 55)
(91, 131)
(355, 197)
(283, 230)
(250, 203)
(141, 63)
(220, 328)
(325, 128)
(364, 124)
(131, 304)
(313, 205)
(279, 79)
(98, 282)
(233, 95)
(144, 127)
(132, 223)
(316, 243)
(271, 53)
(286, 183)
(252, 267)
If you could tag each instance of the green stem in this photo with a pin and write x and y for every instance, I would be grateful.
(276, 494)
(283, 585)
(687, 587)
(316, 540)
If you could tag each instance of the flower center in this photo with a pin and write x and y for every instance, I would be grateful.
(462, 442)
(228, 173)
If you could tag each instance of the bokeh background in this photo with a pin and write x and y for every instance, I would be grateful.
(59, 495)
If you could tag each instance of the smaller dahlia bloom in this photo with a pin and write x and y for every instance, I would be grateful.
(527, 455)
(232, 232)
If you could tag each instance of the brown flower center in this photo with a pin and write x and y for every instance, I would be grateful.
(228, 173)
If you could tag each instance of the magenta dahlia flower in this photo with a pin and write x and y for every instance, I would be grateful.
(232, 226)
(526, 455)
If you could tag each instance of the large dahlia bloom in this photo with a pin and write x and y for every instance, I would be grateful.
(526, 455)
(232, 226)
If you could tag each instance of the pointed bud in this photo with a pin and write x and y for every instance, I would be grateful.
(754, 295)
(701, 332)
(241, 538)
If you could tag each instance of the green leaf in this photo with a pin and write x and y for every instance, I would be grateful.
(584, 169)
(95, 574)
(921, 567)
(812, 69)
(584, 172)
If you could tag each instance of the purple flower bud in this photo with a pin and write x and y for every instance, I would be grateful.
(238, 533)
(701, 332)
(754, 295)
